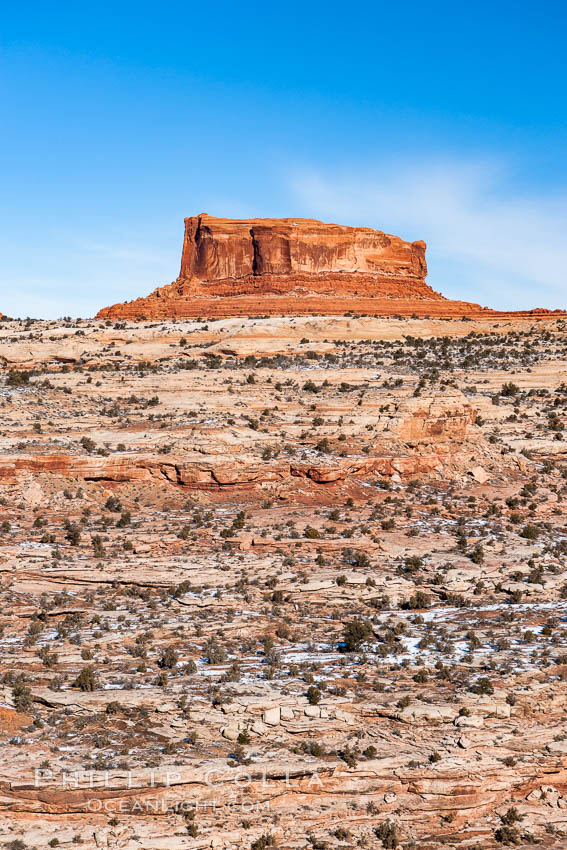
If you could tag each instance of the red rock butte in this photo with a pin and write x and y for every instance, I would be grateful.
(289, 266)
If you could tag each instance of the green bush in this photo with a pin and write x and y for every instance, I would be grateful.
(22, 697)
(169, 659)
(313, 695)
(355, 634)
(17, 378)
(87, 679)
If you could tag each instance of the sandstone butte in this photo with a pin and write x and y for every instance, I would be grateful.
(298, 266)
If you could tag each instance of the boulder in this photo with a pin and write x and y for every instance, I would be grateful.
(271, 716)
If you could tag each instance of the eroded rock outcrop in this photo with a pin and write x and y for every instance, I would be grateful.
(221, 249)
(300, 267)
(431, 419)
(419, 436)
(222, 472)
(279, 267)
(289, 259)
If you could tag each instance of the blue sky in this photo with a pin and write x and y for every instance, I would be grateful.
(438, 121)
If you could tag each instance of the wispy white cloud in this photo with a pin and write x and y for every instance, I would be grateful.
(488, 241)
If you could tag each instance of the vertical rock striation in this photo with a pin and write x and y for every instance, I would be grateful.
(221, 249)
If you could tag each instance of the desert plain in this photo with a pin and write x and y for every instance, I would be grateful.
(296, 582)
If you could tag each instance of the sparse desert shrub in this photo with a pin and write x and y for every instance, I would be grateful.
(313, 695)
(530, 532)
(388, 834)
(215, 654)
(98, 548)
(22, 697)
(355, 557)
(355, 634)
(420, 599)
(72, 533)
(113, 504)
(168, 659)
(87, 679)
(482, 686)
(18, 378)
(264, 841)
(477, 554)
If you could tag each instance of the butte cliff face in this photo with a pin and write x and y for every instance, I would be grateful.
(220, 249)
(296, 266)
